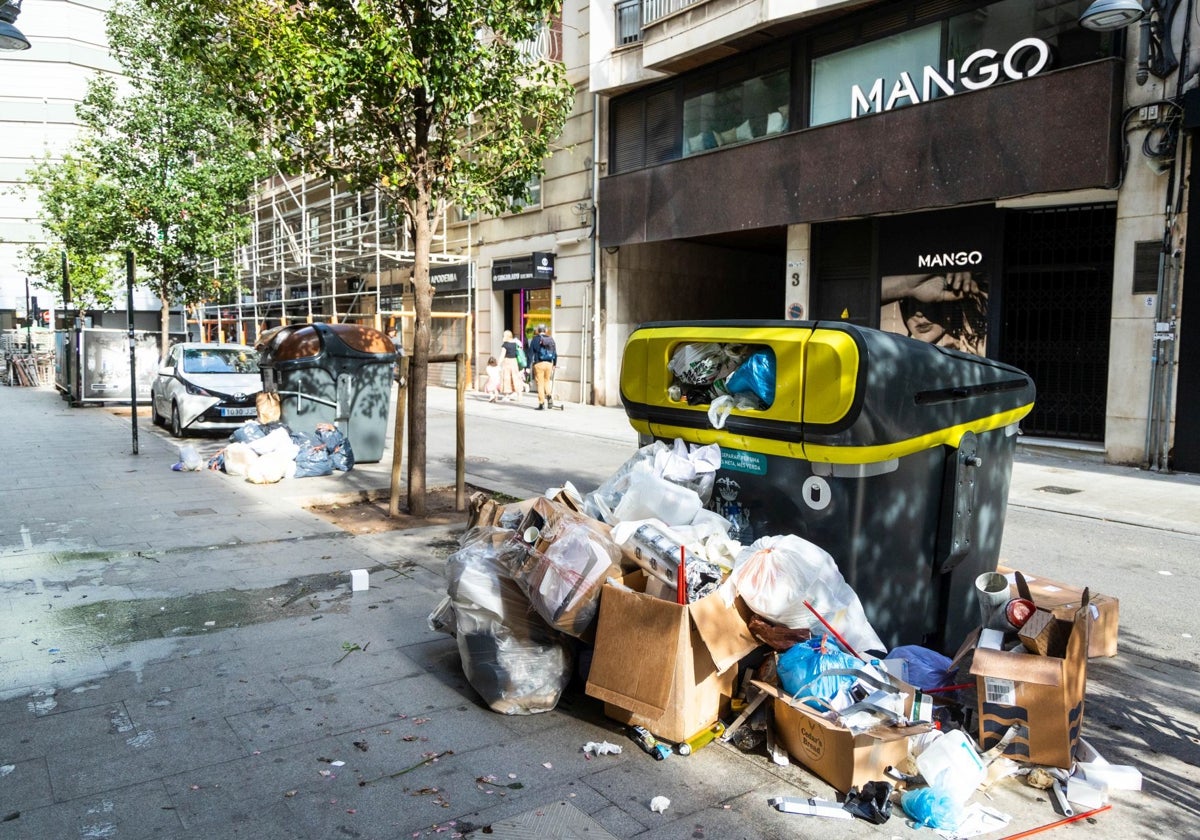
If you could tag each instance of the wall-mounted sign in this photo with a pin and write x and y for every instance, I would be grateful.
(981, 69)
(450, 278)
(529, 272)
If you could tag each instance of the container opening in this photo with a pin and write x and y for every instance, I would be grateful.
(703, 372)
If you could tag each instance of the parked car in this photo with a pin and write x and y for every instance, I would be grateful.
(206, 386)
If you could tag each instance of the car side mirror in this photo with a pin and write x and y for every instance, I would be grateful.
(166, 371)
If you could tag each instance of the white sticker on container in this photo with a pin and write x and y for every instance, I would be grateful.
(1003, 692)
(816, 492)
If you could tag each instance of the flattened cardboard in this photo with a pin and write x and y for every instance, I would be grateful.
(1044, 693)
(1063, 599)
(831, 751)
(662, 665)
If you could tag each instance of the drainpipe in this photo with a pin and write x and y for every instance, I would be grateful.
(596, 343)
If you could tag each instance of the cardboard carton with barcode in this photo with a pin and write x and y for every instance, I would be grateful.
(1043, 693)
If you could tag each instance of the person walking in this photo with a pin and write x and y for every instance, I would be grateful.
(510, 369)
(491, 385)
(544, 355)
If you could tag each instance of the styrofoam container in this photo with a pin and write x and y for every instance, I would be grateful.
(952, 764)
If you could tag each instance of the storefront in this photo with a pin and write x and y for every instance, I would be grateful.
(524, 284)
(956, 173)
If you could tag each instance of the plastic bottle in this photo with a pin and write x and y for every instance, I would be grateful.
(704, 736)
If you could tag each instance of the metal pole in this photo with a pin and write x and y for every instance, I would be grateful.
(28, 321)
(460, 440)
(133, 408)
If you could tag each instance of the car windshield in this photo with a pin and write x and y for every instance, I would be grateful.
(220, 360)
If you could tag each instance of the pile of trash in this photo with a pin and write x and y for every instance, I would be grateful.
(266, 453)
(722, 376)
(689, 637)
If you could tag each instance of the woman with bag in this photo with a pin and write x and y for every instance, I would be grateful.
(510, 376)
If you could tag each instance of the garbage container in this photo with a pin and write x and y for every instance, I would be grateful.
(891, 454)
(332, 373)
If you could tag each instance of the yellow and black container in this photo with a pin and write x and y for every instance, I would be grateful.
(891, 454)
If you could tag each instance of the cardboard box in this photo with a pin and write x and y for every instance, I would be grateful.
(665, 666)
(1044, 693)
(831, 751)
(1063, 599)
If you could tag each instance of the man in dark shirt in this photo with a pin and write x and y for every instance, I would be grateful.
(544, 355)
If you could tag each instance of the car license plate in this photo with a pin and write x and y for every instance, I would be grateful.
(249, 411)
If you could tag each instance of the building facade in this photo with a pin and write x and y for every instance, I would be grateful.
(994, 177)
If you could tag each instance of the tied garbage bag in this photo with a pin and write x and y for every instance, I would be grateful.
(312, 459)
(189, 459)
(776, 575)
(517, 663)
(341, 454)
(816, 671)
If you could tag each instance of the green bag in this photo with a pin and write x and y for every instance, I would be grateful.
(521, 362)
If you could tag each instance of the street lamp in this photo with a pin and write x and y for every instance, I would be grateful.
(1155, 54)
(11, 37)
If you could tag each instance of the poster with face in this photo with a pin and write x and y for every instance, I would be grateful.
(935, 275)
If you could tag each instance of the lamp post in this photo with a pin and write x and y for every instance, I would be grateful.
(1155, 53)
(11, 37)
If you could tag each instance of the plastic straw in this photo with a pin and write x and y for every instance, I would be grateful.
(835, 633)
(1049, 826)
(681, 580)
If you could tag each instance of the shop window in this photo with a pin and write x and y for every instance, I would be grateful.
(838, 78)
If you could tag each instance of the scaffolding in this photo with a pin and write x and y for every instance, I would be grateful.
(318, 252)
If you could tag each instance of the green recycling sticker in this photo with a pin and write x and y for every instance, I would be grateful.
(741, 461)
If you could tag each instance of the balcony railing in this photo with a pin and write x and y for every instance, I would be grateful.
(655, 10)
(633, 15)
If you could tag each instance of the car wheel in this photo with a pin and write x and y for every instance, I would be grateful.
(176, 426)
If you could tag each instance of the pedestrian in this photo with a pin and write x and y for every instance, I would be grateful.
(510, 369)
(544, 355)
(491, 387)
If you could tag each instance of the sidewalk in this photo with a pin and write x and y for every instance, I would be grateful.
(181, 655)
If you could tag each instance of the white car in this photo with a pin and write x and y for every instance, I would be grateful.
(206, 386)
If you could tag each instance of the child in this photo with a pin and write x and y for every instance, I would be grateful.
(492, 386)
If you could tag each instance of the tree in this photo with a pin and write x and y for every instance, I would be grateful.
(431, 101)
(75, 201)
(160, 169)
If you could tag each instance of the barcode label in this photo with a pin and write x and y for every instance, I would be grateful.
(1003, 692)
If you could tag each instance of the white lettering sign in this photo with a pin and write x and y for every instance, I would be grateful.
(957, 259)
(978, 70)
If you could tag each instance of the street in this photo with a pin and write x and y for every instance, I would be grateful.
(182, 656)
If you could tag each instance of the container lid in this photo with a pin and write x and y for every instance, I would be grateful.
(308, 340)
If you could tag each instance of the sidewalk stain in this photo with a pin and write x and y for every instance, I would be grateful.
(99, 624)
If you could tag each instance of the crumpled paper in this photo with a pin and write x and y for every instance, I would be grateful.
(601, 748)
(660, 804)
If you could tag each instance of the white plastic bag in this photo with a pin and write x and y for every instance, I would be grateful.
(776, 575)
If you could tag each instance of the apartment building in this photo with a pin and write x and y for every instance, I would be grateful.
(856, 160)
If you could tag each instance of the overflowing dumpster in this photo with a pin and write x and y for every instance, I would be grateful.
(891, 454)
(332, 373)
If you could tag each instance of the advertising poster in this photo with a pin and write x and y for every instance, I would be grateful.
(936, 273)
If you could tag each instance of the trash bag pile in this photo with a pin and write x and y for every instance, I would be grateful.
(525, 601)
(266, 453)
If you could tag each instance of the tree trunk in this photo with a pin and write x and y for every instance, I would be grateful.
(164, 325)
(418, 372)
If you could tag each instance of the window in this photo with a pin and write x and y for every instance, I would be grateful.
(843, 82)
(737, 112)
(532, 198)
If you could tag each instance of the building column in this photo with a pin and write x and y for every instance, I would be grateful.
(797, 282)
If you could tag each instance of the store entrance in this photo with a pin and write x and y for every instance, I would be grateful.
(525, 310)
(1056, 314)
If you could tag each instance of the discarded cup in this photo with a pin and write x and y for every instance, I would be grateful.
(992, 589)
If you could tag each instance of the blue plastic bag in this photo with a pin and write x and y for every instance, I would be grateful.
(313, 459)
(755, 376)
(803, 671)
(341, 454)
(925, 668)
(931, 807)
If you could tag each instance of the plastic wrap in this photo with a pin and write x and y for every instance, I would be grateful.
(692, 467)
(517, 663)
(776, 575)
(560, 560)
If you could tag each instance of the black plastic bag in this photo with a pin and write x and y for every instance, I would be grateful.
(873, 803)
(341, 454)
(313, 459)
